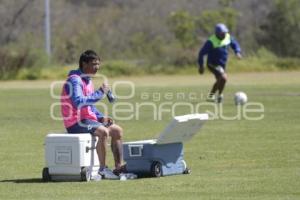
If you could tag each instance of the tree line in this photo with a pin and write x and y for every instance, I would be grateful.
(152, 32)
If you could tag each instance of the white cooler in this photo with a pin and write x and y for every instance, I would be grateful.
(70, 157)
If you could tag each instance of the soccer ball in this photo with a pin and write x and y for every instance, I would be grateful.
(240, 98)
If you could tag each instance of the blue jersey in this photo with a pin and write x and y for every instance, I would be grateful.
(217, 50)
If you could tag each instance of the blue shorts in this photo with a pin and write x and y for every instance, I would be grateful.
(85, 126)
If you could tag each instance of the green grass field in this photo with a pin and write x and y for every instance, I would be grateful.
(229, 159)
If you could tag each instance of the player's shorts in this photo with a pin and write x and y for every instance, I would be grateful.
(217, 70)
(84, 126)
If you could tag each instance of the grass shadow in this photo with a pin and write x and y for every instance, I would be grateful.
(29, 180)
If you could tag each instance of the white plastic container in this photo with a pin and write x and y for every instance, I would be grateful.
(70, 157)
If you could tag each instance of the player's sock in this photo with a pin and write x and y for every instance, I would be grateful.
(220, 98)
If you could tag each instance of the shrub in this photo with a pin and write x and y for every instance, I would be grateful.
(122, 68)
(21, 63)
(11, 62)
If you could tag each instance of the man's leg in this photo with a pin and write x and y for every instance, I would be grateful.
(214, 88)
(97, 129)
(222, 81)
(102, 134)
(116, 134)
(211, 96)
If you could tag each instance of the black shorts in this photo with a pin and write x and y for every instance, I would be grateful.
(217, 70)
(85, 126)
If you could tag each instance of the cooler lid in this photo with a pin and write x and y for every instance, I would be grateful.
(182, 128)
(65, 137)
(153, 141)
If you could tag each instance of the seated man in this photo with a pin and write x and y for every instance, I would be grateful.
(81, 116)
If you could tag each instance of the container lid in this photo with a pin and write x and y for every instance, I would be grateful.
(153, 141)
(182, 128)
(65, 137)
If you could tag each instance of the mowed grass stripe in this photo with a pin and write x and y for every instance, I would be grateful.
(235, 159)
